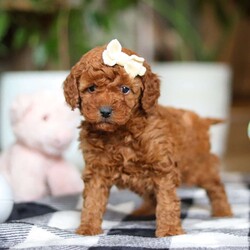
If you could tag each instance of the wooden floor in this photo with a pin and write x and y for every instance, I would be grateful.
(237, 157)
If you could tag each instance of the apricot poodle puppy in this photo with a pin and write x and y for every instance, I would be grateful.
(130, 141)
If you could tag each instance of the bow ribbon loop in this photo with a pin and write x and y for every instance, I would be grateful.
(113, 55)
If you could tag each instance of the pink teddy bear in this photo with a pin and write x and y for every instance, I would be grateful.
(34, 165)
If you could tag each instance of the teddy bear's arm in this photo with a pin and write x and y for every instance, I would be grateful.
(26, 174)
(63, 178)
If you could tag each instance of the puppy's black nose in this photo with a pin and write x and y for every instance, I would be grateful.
(106, 111)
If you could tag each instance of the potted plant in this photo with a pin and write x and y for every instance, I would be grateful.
(196, 78)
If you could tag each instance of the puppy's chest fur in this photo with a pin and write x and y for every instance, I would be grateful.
(121, 158)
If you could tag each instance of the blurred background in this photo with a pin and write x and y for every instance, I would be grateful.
(47, 37)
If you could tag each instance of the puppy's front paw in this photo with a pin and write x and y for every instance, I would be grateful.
(170, 231)
(88, 230)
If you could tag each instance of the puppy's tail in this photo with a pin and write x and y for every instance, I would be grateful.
(214, 121)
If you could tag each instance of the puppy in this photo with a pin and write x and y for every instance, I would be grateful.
(130, 141)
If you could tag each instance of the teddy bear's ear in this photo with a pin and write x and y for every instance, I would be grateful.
(151, 91)
(20, 107)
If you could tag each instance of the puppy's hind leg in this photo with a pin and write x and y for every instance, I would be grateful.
(211, 182)
(148, 206)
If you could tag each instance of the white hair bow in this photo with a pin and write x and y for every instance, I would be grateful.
(113, 55)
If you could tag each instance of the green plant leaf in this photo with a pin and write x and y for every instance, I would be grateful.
(102, 20)
(117, 5)
(4, 24)
(78, 35)
(52, 42)
(20, 38)
(3, 50)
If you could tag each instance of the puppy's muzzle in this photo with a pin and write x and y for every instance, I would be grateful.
(105, 111)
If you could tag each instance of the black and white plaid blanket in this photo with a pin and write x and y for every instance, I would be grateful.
(50, 223)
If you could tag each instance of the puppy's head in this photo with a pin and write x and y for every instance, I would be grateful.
(108, 96)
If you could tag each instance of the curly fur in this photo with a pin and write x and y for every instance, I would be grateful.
(142, 146)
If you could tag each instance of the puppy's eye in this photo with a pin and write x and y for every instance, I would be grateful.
(92, 88)
(125, 89)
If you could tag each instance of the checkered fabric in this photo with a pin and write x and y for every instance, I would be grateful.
(50, 223)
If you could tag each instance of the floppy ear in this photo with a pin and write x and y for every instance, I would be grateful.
(151, 91)
(71, 84)
(70, 88)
